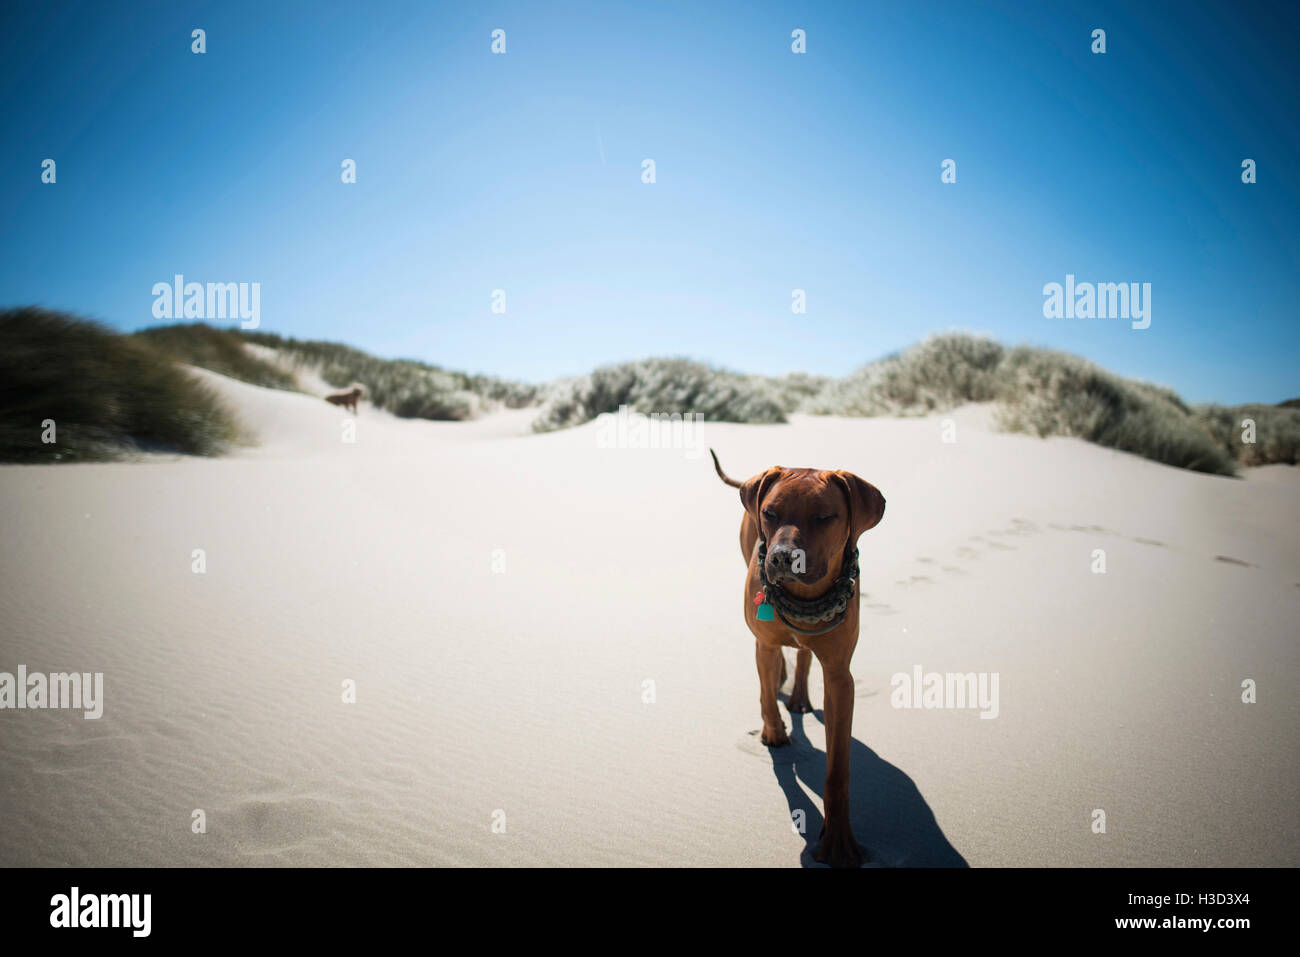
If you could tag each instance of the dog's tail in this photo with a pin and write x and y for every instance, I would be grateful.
(721, 474)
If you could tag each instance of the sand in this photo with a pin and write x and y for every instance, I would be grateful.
(593, 700)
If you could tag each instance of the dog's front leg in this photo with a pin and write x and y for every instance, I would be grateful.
(770, 661)
(799, 702)
(838, 847)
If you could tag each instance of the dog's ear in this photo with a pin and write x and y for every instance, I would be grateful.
(754, 488)
(866, 504)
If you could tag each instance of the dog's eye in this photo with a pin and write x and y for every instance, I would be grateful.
(769, 515)
(825, 518)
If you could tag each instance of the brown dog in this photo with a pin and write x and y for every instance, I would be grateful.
(347, 399)
(799, 536)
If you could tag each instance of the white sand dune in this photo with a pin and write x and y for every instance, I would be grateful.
(522, 691)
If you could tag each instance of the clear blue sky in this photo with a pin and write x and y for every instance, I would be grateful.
(775, 171)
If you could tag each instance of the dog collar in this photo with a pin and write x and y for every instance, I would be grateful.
(833, 606)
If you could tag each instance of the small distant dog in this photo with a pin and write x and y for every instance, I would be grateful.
(348, 398)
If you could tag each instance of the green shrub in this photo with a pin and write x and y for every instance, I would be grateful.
(220, 350)
(1037, 391)
(404, 387)
(1277, 432)
(1053, 393)
(107, 394)
(660, 385)
(939, 373)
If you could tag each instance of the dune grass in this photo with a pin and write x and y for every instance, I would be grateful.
(1053, 393)
(1038, 391)
(939, 373)
(663, 385)
(404, 387)
(1276, 433)
(106, 394)
(220, 350)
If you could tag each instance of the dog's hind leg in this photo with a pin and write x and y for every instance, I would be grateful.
(799, 702)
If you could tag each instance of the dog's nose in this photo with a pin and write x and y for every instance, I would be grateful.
(780, 561)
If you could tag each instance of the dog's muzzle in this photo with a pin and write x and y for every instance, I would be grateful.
(780, 565)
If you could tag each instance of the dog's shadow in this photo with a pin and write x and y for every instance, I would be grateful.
(891, 820)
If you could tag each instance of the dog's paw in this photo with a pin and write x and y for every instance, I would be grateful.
(798, 705)
(775, 737)
(840, 850)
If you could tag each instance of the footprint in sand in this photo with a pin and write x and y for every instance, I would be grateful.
(267, 824)
(1155, 543)
(915, 580)
(880, 608)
